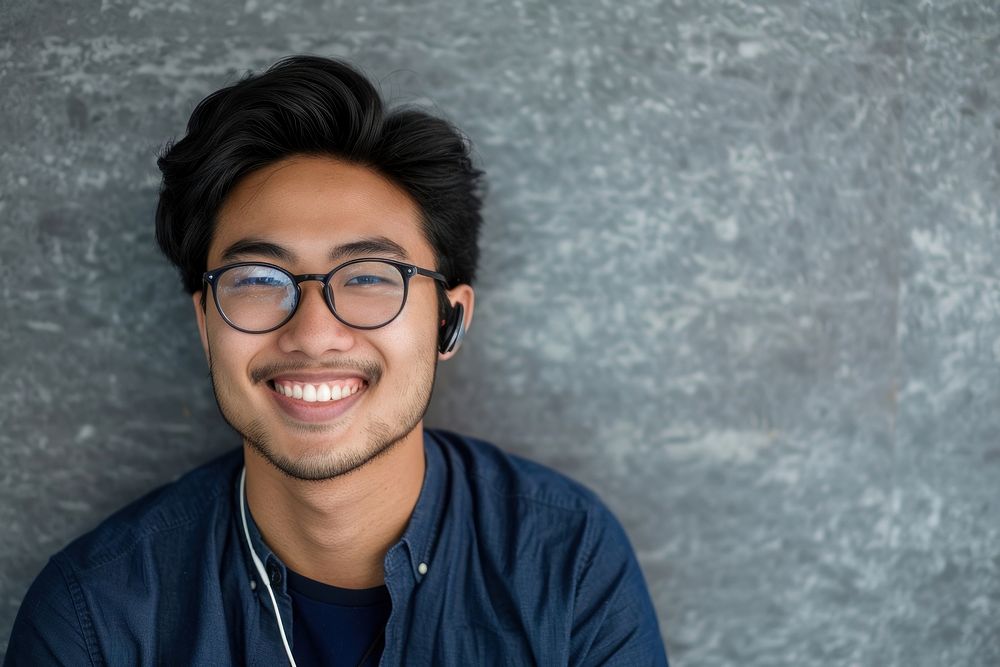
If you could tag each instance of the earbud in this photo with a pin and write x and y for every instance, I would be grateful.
(452, 329)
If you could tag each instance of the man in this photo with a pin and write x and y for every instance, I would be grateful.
(330, 249)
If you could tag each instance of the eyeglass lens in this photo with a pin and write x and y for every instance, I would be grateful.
(259, 298)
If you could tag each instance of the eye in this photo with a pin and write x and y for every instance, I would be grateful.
(367, 276)
(254, 278)
(366, 280)
(259, 281)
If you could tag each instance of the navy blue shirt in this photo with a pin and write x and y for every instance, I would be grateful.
(503, 562)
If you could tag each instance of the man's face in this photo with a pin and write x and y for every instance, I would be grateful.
(301, 214)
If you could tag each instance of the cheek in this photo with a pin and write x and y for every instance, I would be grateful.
(230, 351)
(413, 335)
(407, 349)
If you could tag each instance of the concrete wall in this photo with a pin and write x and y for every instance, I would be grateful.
(739, 276)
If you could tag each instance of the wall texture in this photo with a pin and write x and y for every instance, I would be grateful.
(740, 276)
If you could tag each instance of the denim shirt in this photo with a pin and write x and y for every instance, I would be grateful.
(503, 562)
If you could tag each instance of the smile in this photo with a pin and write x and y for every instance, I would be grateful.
(319, 392)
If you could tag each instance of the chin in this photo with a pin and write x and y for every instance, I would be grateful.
(322, 459)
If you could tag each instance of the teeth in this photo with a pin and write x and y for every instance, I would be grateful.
(318, 393)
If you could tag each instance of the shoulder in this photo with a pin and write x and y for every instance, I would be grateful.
(189, 502)
(527, 500)
(82, 586)
(496, 471)
(563, 553)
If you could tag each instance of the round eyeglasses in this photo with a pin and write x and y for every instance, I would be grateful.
(255, 297)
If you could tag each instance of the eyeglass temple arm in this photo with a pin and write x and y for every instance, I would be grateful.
(432, 274)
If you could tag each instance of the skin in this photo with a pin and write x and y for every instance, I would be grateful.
(330, 496)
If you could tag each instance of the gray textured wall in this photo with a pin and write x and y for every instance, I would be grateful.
(739, 276)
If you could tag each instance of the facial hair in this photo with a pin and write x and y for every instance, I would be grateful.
(379, 438)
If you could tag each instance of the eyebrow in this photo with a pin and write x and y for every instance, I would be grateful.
(256, 247)
(371, 245)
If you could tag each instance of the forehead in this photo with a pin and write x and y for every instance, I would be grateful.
(309, 205)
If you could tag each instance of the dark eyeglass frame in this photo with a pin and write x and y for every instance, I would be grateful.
(406, 271)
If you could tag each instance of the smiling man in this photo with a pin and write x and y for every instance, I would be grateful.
(329, 248)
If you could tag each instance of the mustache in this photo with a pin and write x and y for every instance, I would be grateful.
(369, 370)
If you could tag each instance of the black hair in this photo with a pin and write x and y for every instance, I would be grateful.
(308, 105)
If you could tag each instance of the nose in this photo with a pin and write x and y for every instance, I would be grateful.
(313, 330)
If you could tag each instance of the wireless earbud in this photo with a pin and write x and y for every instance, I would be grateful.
(453, 329)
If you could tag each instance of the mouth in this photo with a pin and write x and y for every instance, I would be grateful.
(318, 399)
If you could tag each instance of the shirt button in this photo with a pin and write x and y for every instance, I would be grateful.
(274, 573)
(422, 568)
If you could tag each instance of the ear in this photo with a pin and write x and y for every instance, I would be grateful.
(199, 315)
(465, 295)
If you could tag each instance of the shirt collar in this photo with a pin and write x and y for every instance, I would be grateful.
(421, 534)
(272, 564)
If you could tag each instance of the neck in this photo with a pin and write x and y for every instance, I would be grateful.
(337, 531)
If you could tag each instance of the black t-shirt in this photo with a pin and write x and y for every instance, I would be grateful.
(337, 626)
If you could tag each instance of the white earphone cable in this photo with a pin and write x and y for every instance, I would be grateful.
(260, 567)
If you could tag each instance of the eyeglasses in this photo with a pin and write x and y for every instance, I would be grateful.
(254, 297)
